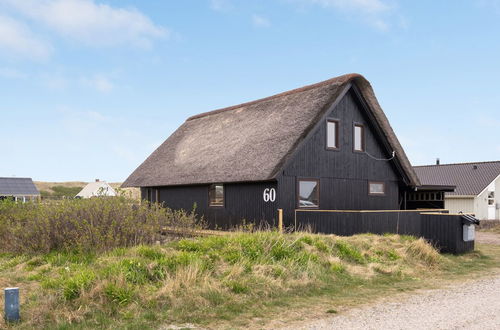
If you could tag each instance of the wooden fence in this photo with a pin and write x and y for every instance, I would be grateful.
(440, 228)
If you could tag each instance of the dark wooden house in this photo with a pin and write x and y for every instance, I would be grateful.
(325, 146)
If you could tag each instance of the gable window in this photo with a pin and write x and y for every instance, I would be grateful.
(216, 195)
(332, 134)
(376, 188)
(308, 193)
(491, 198)
(359, 137)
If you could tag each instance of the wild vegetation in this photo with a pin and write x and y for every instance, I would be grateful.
(60, 191)
(97, 264)
(208, 279)
(85, 225)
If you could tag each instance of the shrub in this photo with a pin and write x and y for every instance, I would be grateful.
(96, 224)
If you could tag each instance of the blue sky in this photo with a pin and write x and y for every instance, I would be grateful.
(90, 88)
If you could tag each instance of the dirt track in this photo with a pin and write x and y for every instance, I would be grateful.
(469, 305)
(473, 304)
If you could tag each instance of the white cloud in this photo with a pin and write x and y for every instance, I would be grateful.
(16, 40)
(99, 82)
(221, 5)
(365, 6)
(54, 81)
(92, 23)
(11, 73)
(373, 12)
(260, 21)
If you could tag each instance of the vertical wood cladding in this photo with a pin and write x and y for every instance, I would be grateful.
(343, 173)
(444, 231)
(243, 202)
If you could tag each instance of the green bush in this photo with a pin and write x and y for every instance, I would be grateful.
(86, 225)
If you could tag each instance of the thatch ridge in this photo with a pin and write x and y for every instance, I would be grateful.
(267, 98)
(247, 142)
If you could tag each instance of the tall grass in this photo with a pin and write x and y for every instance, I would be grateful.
(208, 278)
(89, 225)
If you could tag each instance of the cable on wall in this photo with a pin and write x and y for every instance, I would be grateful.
(383, 159)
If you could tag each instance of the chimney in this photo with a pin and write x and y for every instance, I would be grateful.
(437, 161)
(96, 180)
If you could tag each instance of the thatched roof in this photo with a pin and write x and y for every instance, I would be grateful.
(252, 141)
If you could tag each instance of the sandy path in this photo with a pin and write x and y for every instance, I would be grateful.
(470, 305)
(486, 237)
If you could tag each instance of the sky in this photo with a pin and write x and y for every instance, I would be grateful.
(89, 88)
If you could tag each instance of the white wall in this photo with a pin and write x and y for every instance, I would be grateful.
(481, 201)
(497, 198)
(460, 204)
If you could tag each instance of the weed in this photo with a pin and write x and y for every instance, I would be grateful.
(119, 294)
(348, 252)
(73, 286)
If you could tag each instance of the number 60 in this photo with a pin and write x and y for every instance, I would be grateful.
(269, 195)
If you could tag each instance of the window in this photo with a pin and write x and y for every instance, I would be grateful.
(491, 198)
(308, 193)
(376, 188)
(359, 137)
(332, 134)
(216, 195)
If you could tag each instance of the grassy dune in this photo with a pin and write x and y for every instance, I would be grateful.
(234, 278)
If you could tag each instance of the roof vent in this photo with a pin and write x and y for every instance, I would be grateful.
(96, 180)
(474, 167)
(437, 161)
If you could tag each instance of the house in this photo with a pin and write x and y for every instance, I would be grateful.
(477, 186)
(324, 146)
(18, 189)
(96, 189)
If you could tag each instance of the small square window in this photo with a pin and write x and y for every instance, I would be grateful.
(376, 188)
(308, 193)
(216, 195)
(359, 137)
(332, 134)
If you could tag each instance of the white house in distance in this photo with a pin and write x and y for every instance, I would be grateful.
(96, 189)
(477, 186)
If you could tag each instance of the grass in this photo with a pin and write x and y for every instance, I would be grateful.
(223, 280)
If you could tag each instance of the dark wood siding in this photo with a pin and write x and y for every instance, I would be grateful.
(351, 223)
(445, 231)
(243, 202)
(343, 173)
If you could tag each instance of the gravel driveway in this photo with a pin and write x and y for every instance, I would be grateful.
(470, 305)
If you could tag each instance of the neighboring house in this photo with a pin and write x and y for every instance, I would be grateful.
(477, 186)
(19, 189)
(96, 189)
(322, 146)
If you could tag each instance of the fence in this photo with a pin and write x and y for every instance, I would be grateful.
(440, 228)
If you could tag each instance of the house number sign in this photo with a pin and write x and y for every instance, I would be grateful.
(269, 195)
